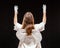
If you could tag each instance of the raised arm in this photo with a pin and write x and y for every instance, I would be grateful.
(44, 14)
(41, 26)
(15, 14)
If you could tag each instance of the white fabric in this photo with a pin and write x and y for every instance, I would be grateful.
(29, 41)
(29, 46)
(40, 26)
(17, 26)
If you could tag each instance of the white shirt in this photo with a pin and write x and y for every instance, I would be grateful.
(32, 41)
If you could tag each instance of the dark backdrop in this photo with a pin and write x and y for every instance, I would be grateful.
(51, 35)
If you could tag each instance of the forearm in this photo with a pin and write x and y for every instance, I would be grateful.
(44, 14)
(15, 14)
(44, 18)
(15, 18)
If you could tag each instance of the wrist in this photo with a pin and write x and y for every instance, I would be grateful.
(44, 11)
(16, 13)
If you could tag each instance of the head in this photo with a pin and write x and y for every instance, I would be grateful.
(28, 22)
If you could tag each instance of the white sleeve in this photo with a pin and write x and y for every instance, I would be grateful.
(17, 26)
(40, 26)
(20, 34)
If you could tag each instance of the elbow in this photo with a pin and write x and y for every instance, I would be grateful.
(44, 21)
(15, 23)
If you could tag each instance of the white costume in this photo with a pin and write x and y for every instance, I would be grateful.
(32, 41)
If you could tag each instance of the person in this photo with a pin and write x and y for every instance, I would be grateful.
(28, 33)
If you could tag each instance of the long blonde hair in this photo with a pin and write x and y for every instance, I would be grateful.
(28, 22)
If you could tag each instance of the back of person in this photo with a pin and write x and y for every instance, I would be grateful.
(29, 42)
(27, 37)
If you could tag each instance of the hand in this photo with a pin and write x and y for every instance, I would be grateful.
(16, 8)
(44, 8)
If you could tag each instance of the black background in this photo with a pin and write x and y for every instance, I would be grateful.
(51, 35)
